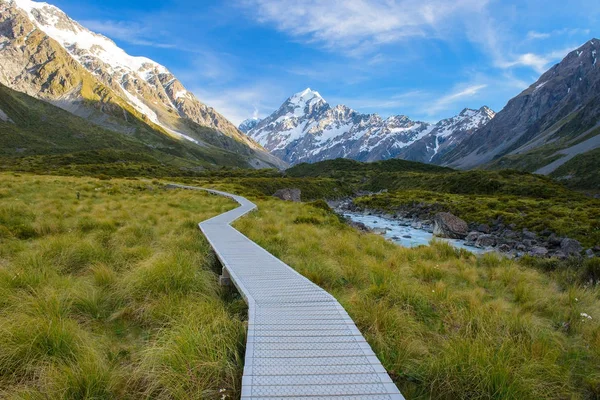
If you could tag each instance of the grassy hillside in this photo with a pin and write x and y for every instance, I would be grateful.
(445, 324)
(571, 130)
(404, 175)
(112, 295)
(38, 130)
(581, 172)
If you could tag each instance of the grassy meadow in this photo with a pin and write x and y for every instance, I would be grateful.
(446, 325)
(114, 294)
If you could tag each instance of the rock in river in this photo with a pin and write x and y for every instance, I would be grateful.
(449, 226)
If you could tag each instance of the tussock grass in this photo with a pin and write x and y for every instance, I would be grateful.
(112, 295)
(446, 325)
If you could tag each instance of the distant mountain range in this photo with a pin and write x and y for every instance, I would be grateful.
(552, 127)
(307, 129)
(47, 55)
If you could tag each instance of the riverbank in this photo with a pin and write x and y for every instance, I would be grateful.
(507, 239)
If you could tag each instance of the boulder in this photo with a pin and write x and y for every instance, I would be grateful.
(554, 240)
(505, 248)
(538, 251)
(529, 235)
(288, 194)
(449, 226)
(486, 241)
(473, 236)
(590, 253)
(485, 228)
(570, 246)
(529, 242)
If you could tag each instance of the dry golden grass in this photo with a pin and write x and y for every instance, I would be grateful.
(445, 324)
(112, 295)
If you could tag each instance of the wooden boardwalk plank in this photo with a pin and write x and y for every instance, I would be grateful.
(301, 342)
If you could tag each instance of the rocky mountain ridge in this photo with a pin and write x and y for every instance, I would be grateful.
(46, 54)
(307, 129)
(545, 126)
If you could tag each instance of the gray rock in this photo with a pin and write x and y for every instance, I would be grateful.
(288, 195)
(449, 226)
(508, 234)
(529, 235)
(520, 247)
(407, 236)
(416, 225)
(554, 240)
(529, 242)
(379, 231)
(504, 248)
(538, 251)
(360, 226)
(486, 241)
(570, 246)
(590, 253)
(485, 228)
(473, 236)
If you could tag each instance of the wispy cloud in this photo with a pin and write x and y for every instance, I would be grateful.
(458, 95)
(129, 32)
(239, 103)
(534, 35)
(359, 26)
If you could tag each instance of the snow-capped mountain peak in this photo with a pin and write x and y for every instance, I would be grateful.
(306, 96)
(307, 129)
(143, 83)
(82, 43)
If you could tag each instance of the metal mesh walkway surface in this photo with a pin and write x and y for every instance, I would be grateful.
(301, 342)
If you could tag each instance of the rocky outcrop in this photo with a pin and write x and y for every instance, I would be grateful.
(449, 226)
(288, 195)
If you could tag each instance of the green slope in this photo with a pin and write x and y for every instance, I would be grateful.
(581, 172)
(404, 175)
(38, 133)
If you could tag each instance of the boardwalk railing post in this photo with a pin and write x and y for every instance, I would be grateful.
(225, 278)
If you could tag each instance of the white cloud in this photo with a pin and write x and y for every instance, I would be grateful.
(240, 103)
(536, 62)
(458, 95)
(358, 26)
(532, 35)
(129, 32)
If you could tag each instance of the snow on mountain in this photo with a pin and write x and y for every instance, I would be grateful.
(447, 134)
(307, 129)
(146, 85)
(248, 124)
(83, 44)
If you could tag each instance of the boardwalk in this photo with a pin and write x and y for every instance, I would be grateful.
(301, 342)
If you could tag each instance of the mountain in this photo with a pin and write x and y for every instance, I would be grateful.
(38, 136)
(447, 135)
(47, 55)
(545, 127)
(307, 129)
(249, 124)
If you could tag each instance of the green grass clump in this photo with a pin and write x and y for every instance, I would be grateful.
(113, 294)
(445, 324)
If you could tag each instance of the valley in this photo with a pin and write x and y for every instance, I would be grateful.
(360, 253)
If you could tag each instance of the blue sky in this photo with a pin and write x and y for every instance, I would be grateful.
(427, 59)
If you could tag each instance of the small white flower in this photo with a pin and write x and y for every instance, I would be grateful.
(585, 316)
(576, 299)
(433, 291)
